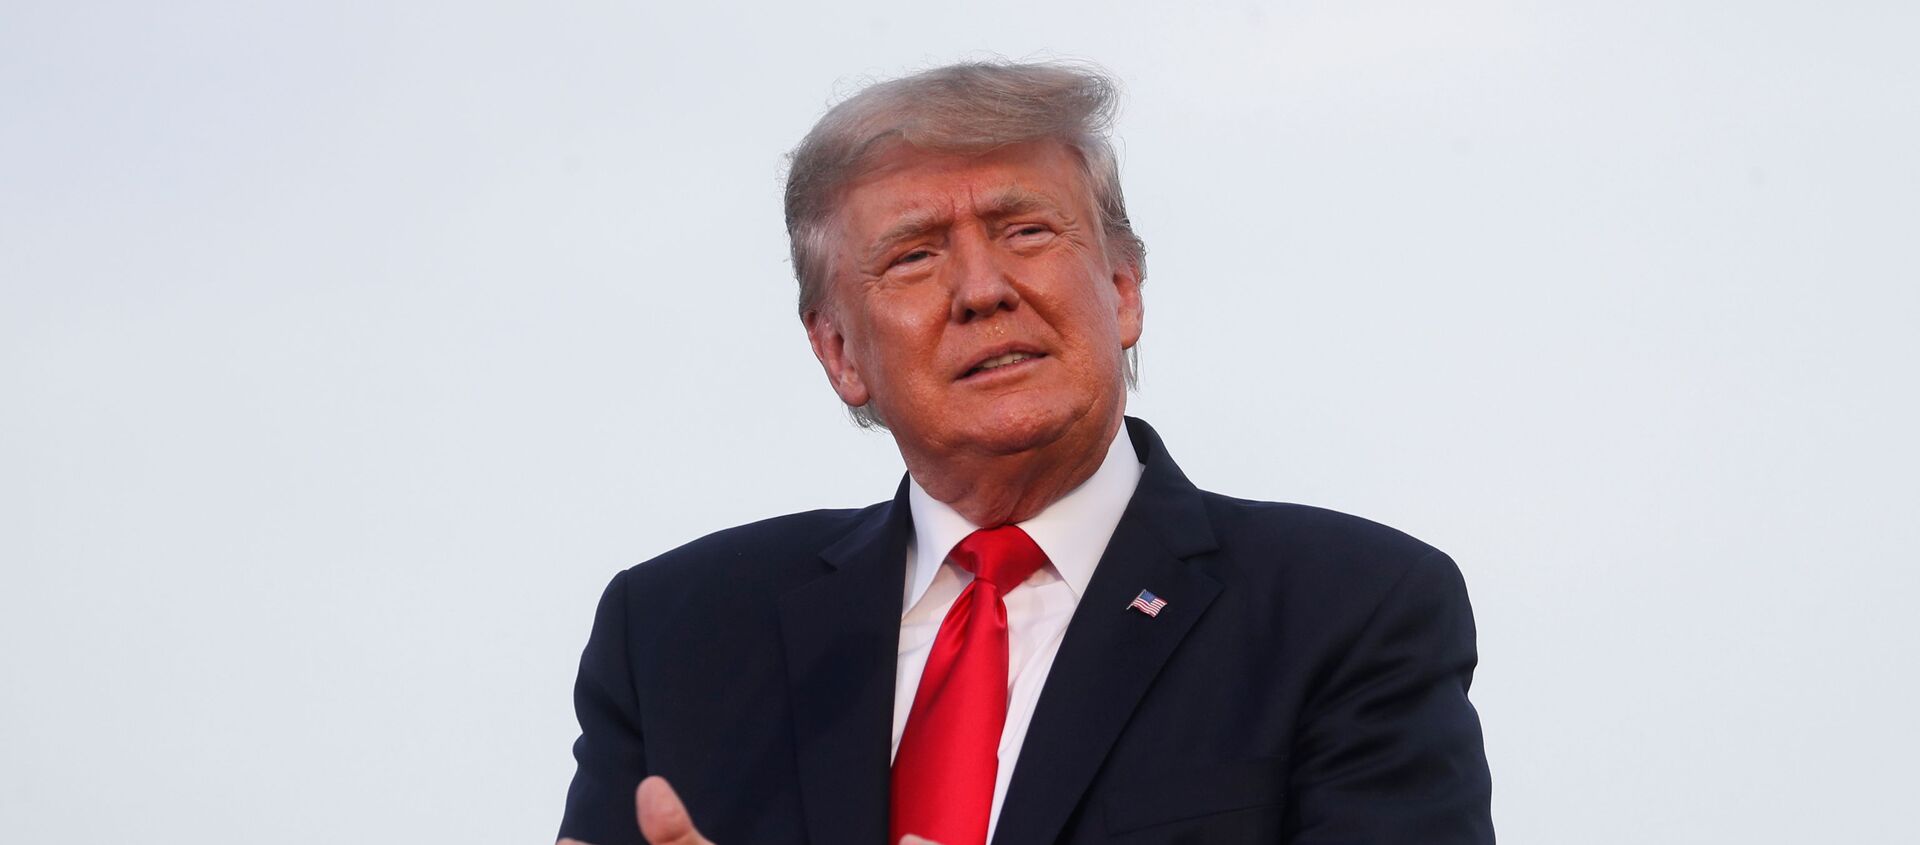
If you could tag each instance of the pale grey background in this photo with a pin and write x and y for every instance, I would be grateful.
(346, 350)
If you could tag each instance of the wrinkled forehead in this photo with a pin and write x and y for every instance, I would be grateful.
(901, 182)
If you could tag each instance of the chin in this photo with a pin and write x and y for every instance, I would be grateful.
(1011, 427)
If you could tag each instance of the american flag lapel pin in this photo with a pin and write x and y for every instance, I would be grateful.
(1147, 603)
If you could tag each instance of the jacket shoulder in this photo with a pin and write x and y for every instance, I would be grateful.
(1319, 544)
(771, 548)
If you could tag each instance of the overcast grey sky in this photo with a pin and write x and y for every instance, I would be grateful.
(346, 351)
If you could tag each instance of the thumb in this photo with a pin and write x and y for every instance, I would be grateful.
(911, 839)
(663, 819)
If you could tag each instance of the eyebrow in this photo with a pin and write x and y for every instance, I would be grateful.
(1014, 201)
(1004, 203)
(912, 224)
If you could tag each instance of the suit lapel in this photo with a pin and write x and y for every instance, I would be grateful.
(841, 633)
(1111, 655)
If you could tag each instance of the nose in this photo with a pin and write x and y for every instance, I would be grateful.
(981, 282)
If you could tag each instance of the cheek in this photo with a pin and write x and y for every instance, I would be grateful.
(1091, 315)
(901, 332)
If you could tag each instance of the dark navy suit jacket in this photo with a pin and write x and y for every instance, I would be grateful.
(1305, 683)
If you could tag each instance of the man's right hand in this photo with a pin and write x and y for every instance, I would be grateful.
(664, 820)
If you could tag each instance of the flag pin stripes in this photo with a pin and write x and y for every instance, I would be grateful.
(1147, 603)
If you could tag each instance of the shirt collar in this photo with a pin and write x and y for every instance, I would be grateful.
(1073, 531)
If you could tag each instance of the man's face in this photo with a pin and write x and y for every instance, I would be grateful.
(972, 301)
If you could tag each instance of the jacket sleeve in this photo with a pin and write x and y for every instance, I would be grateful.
(1390, 750)
(610, 753)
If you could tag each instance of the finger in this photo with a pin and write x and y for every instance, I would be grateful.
(570, 842)
(911, 839)
(663, 819)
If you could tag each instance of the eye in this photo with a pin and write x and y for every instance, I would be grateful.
(913, 257)
(1029, 235)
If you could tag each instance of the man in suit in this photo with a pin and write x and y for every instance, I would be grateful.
(1048, 634)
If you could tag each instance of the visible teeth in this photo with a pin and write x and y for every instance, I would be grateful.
(1003, 360)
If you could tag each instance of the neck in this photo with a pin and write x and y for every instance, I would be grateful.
(993, 490)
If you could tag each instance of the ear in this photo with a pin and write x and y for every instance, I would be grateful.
(830, 346)
(1131, 311)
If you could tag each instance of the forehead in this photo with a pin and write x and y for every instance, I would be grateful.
(904, 180)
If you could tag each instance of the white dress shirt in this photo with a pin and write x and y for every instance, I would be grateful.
(1072, 531)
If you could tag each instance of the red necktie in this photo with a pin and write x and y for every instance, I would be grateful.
(943, 774)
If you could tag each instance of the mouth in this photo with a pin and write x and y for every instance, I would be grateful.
(1003, 359)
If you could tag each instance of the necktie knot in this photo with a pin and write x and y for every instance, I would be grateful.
(1004, 557)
